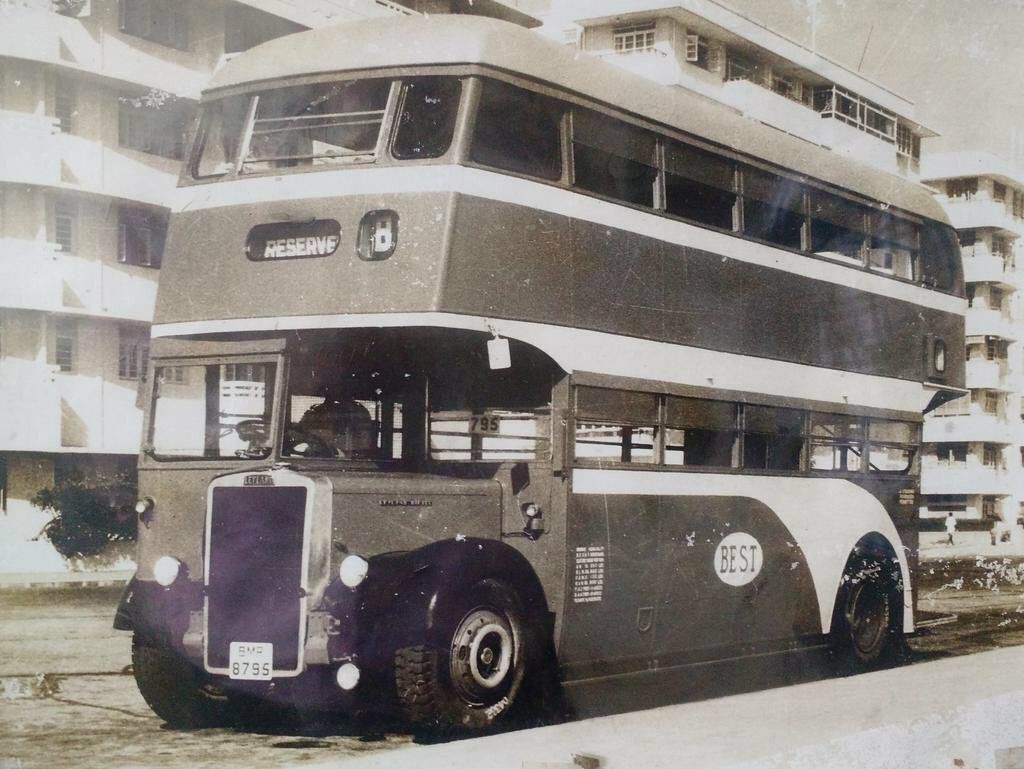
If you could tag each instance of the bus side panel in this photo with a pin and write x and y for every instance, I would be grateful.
(573, 272)
(655, 580)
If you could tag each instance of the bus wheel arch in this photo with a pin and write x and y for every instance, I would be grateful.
(485, 652)
(867, 618)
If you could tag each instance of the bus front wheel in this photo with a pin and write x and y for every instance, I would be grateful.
(174, 690)
(865, 626)
(472, 675)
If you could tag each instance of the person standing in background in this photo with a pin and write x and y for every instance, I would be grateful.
(950, 528)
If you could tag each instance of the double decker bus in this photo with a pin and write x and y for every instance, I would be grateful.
(481, 367)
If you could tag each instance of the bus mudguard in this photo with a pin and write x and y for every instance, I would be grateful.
(407, 597)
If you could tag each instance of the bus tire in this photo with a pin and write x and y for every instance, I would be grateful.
(865, 624)
(174, 689)
(471, 676)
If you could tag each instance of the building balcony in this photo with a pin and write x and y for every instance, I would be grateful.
(983, 374)
(984, 267)
(37, 160)
(978, 212)
(48, 158)
(36, 276)
(29, 406)
(981, 321)
(976, 426)
(862, 146)
(763, 104)
(964, 478)
(654, 64)
(87, 45)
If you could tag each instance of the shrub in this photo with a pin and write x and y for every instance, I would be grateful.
(88, 514)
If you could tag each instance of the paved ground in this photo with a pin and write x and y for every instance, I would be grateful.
(85, 711)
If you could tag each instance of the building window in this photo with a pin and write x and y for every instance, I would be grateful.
(1018, 204)
(65, 104)
(156, 20)
(995, 298)
(965, 188)
(786, 86)
(738, 67)
(153, 123)
(990, 455)
(636, 37)
(697, 51)
(998, 191)
(991, 403)
(988, 507)
(141, 233)
(951, 453)
(65, 214)
(908, 143)
(995, 348)
(132, 352)
(853, 109)
(64, 344)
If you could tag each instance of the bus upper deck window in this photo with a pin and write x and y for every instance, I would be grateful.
(893, 245)
(699, 185)
(318, 124)
(518, 130)
(426, 117)
(773, 208)
(613, 158)
(940, 257)
(838, 227)
(220, 132)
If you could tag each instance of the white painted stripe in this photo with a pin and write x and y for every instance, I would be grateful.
(509, 189)
(577, 349)
(826, 516)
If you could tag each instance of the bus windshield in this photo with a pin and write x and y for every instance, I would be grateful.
(325, 124)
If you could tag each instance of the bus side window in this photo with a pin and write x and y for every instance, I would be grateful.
(773, 438)
(518, 130)
(616, 426)
(893, 249)
(773, 208)
(700, 433)
(940, 257)
(893, 446)
(699, 185)
(838, 228)
(613, 158)
(426, 118)
(836, 443)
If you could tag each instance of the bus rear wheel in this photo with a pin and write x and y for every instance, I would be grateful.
(865, 632)
(175, 690)
(471, 677)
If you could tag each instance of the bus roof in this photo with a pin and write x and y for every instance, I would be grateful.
(471, 40)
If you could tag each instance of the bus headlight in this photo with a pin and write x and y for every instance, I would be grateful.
(166, 570)
(347, 676)
(353, 571)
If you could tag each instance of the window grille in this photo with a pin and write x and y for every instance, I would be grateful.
(64, 344)
(64, 217)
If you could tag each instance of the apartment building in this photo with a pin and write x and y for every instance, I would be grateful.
(973, 456)
(711, 50)
(95, 98)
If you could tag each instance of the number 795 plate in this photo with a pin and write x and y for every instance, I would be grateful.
(250, 661)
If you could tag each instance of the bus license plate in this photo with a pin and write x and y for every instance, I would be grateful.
(250, 661)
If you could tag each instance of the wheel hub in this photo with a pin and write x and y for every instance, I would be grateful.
(483, 650)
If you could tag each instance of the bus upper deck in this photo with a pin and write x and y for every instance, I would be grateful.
(424, 184)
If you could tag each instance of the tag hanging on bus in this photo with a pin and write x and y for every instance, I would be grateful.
(498, 353)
